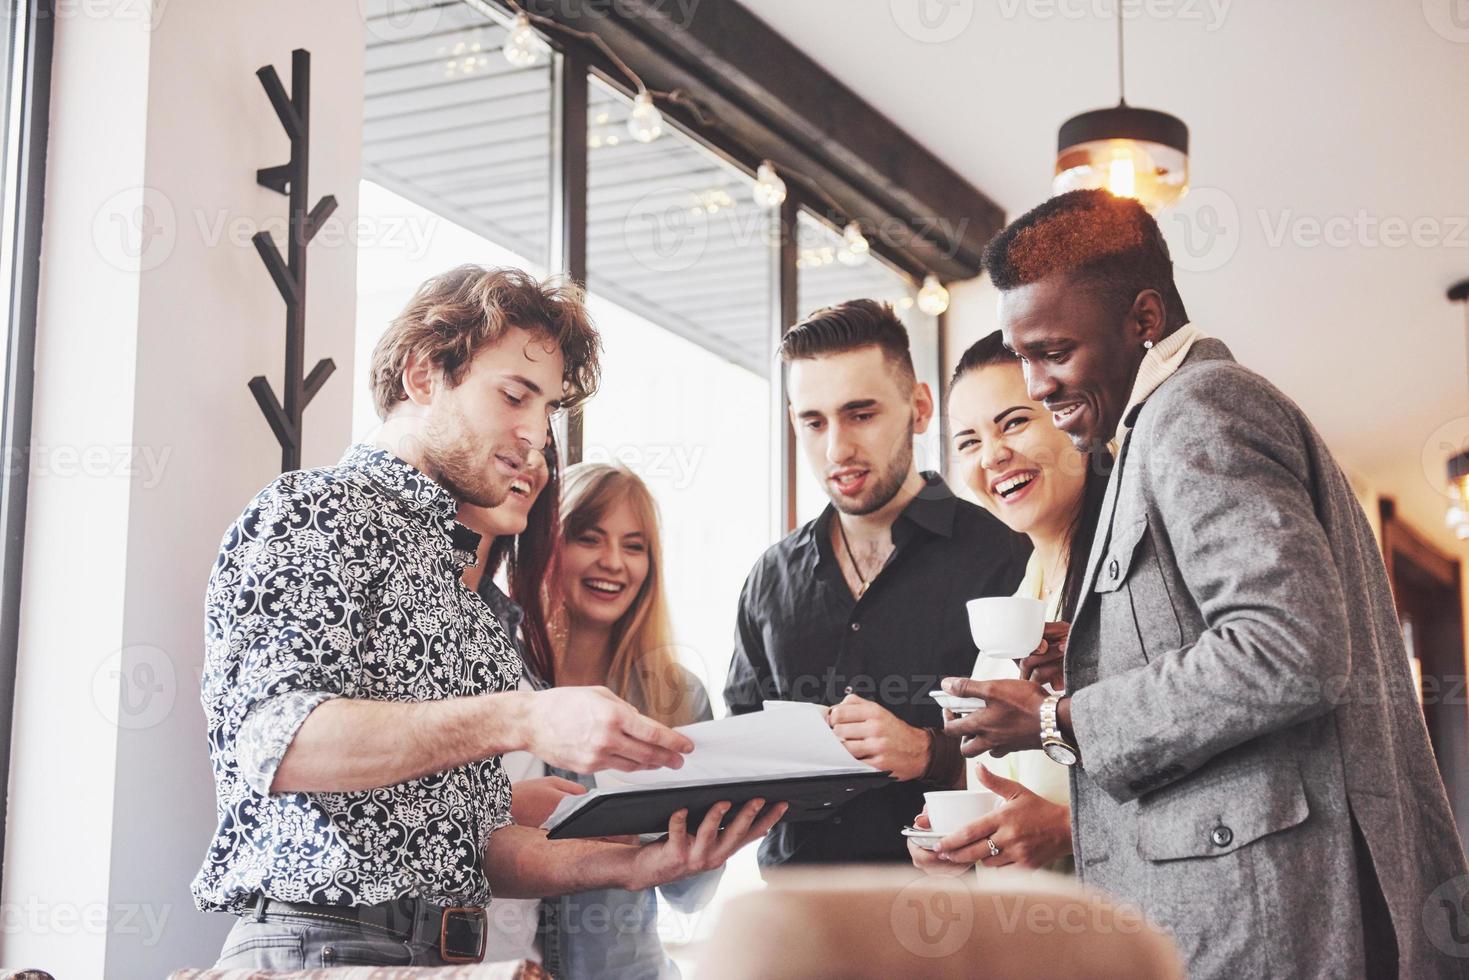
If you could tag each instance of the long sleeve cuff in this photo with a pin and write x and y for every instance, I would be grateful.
(945, 761)
(267, 732)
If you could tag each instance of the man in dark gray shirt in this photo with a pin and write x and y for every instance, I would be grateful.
(863, 608)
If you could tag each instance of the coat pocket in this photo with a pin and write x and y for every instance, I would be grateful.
(1117, 562)
(1216, 814)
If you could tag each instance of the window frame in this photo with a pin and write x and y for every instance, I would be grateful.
(26, 129)
(573, 67)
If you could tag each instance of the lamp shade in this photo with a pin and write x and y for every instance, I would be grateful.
(1138, 153)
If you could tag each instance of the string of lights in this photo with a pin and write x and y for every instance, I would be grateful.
(524, 48)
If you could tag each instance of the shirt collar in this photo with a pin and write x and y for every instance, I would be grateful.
(405, 482)
(932, 509)
(1159, 364)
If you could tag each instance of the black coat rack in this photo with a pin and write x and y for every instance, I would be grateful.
(294, 111)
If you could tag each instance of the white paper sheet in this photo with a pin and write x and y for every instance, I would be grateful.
(789, 738)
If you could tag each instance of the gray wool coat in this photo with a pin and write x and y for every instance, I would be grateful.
(1243, 703)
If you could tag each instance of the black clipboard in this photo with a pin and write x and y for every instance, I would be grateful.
(645, 810)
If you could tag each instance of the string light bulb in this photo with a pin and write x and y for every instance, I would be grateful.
(523, 47)
(933, 298)
(645, 122)
(770, 190)
(854, 245)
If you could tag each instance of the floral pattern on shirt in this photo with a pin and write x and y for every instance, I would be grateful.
(345, 582)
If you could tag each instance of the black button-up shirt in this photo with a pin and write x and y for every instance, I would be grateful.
(802, 636)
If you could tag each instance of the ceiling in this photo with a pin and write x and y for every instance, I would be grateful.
(1320, 133)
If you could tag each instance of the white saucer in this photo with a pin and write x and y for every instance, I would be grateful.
(955, 704)
(926, 839)
(1007, 654)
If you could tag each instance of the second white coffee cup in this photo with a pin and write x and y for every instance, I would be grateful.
(950, 809)
(1007, 626)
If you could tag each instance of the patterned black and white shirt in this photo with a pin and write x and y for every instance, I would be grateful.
(345, 582)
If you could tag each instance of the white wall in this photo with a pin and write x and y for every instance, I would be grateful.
(143, 351)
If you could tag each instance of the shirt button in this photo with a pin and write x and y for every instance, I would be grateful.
(1221, 836)
(836, 819)
(1112, 568)
(856, 627)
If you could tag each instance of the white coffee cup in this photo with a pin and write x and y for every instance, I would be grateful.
(950, 809)
(1006, 626)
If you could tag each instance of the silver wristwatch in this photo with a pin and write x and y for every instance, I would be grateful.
(1052, 741)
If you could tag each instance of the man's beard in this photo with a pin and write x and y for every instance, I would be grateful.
(457, 463)
(886, 483)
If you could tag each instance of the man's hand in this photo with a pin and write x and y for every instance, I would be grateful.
(1047, 664)
(682, 854)
(1009, 721)
(533, 800)
(929, 862)
(876, 736)
(586, 729)
(1029, 830)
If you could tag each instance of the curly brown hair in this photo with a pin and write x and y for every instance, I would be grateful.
(454, 315)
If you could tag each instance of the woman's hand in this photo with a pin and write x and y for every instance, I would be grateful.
(682, 853)
(1048, 663)
(533, 800)
(876, 736)
(1029, 830)
(929, 862)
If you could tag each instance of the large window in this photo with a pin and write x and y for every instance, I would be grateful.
(456, 161)
(465, 160)
(679, 269)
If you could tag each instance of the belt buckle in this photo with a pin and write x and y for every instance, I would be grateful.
(469, 915)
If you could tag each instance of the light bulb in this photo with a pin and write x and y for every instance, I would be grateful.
(854, 245)
(645, 122)
(1121, 174)
(770, 190)
(523, 47)
(933, 298)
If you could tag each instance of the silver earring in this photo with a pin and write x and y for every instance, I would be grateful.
(1147, 345)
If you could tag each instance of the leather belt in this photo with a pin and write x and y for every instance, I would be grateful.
(458, 932)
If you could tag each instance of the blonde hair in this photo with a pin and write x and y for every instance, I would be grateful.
(644, 668)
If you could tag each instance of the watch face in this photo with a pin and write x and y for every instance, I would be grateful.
(1060, 753)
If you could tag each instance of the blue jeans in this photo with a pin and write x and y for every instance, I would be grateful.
(284, 941)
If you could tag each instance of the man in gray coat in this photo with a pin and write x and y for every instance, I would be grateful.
(1250, 762)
